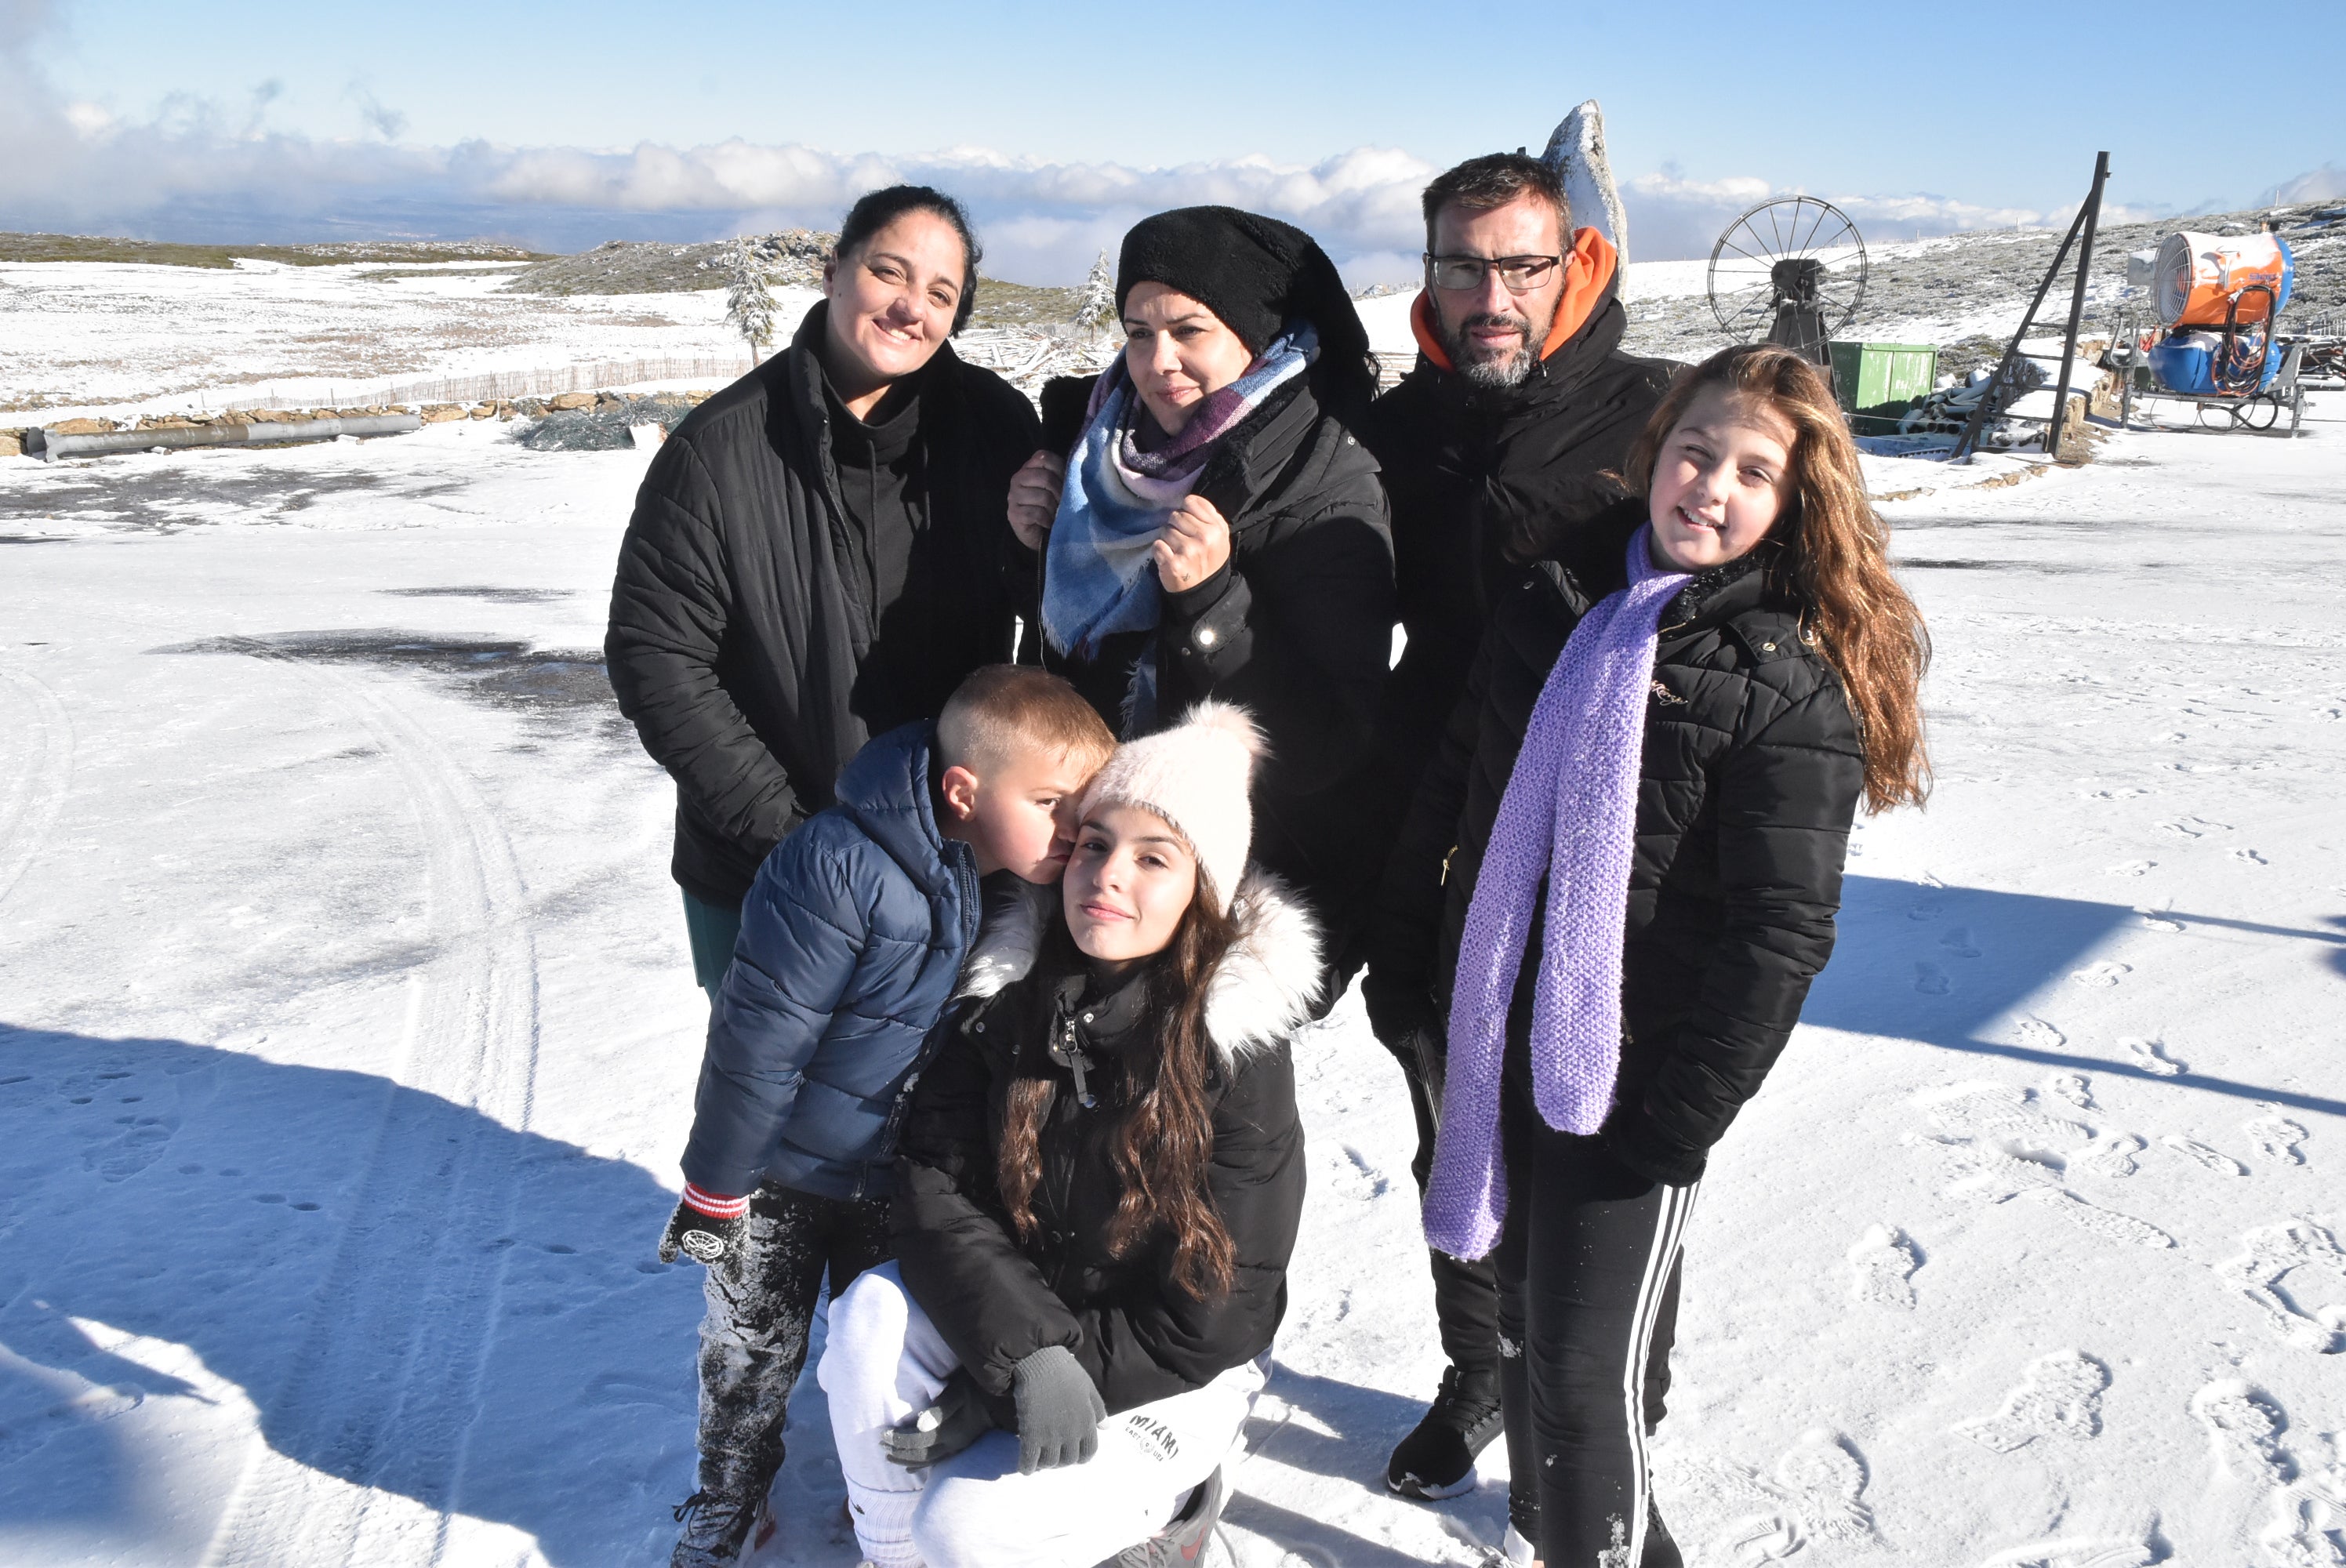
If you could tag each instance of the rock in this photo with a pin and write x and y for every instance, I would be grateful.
(12, 443)
(81, 427)
(571, 399)
(441, 412)
(481, 411)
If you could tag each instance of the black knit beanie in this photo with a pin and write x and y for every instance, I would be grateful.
(1254, 272)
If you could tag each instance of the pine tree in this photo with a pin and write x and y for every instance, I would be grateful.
(748, 302)
(1095, 302)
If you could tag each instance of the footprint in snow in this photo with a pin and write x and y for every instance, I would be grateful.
(2060, 1396)
(2277, 1137)
(2250, 858)
(2150, 1056)
(2242, 1424)
(1929, 980)
(2203, 1156)
(2274, 1252)
(1979, 1110)
(2112, 1155)
(2158, 920)
(2106, 1223)
(1816, 1495)
(2101, 974)
(2131, 868)
(1958, 941)
(1882, 1264)
(2039, 1035)
(2073, 1088)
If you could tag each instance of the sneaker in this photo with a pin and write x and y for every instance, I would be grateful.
(1437, 1460)
(715, 1526)
(1182, 1541)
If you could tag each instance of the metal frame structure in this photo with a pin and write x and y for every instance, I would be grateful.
(1781, 269)
(2001, 385)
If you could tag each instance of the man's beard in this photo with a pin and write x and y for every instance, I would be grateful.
(1508, 369)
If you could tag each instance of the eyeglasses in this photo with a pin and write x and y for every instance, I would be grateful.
(1521, 274)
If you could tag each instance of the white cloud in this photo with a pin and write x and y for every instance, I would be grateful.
(202, 169)
(2327, 183)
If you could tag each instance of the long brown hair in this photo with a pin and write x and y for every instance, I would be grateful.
(1834, 558)
(1159, 1128)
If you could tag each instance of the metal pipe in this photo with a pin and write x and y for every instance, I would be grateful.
(2092, 215)
(53, 448)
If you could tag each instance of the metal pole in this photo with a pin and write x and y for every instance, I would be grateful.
(2091, 214)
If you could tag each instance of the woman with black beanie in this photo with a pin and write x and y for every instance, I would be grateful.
(1207, 525)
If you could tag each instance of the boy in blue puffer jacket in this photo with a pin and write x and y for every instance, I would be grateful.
(852, 939)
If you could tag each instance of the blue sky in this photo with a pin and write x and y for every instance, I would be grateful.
(563, 124)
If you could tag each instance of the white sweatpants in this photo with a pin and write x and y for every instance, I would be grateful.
(884, 1360)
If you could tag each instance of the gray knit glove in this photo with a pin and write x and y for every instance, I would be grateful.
(1059, 1411)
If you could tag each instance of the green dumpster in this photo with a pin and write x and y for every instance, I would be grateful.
(1878, 382)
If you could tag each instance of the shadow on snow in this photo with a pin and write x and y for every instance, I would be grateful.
(205, 1197)
(1956, 967)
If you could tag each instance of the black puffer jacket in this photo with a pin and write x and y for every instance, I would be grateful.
(1476, 473)
(746, 641)
(1297, 627)
(997, 1298)
(1751, 778)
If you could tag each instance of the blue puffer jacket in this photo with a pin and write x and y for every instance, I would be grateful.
(850, 939)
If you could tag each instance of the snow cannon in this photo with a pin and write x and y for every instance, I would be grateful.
(2207, 279)
(2221, 297)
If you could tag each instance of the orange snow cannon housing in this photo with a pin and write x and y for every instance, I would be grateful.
(2199, 277)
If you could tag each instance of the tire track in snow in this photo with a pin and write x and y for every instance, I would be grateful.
(365, 1438)
(38, 768)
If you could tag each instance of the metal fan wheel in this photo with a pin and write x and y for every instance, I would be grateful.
(1744, 265)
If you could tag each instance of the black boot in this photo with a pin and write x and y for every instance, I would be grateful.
(715, 1526)
(1437, 1460)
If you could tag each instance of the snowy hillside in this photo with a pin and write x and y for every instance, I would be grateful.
(347, 1038)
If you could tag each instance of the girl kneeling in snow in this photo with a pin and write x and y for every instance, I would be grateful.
(1682, 704)
(1099, 1184)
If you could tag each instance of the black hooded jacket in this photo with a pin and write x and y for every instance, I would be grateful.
(997, 1297)
(749, 640)
(1478, 472)
(1750, 779)
(1297, 625)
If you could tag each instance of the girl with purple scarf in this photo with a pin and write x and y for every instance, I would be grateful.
(1616, 884)
(1205, 525)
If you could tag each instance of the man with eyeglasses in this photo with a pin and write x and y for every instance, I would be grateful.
(1502, 439)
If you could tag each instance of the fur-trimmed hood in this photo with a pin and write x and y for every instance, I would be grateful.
(1261, 992)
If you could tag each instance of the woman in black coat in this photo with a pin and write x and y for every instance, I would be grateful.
(1781, 691)
(1221, 532)
(1100, 1182)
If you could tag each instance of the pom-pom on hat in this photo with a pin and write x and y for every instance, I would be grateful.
(1195, 776)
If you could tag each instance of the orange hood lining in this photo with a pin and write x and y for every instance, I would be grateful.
(1588, 271)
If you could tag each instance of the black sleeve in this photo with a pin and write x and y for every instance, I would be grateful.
(1404, 931)
(669, 604)
(953, 1235)
(1301, 634)
(1149, 1347)
(1785, 800)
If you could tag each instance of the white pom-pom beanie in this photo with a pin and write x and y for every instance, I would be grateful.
(1195, 776)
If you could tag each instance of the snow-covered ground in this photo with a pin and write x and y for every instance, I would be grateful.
(347, 1038)
(117, 336)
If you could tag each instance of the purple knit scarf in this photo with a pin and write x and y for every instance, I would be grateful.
(1570, 812)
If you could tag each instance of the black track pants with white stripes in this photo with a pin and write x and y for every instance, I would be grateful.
(1587, 1267)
